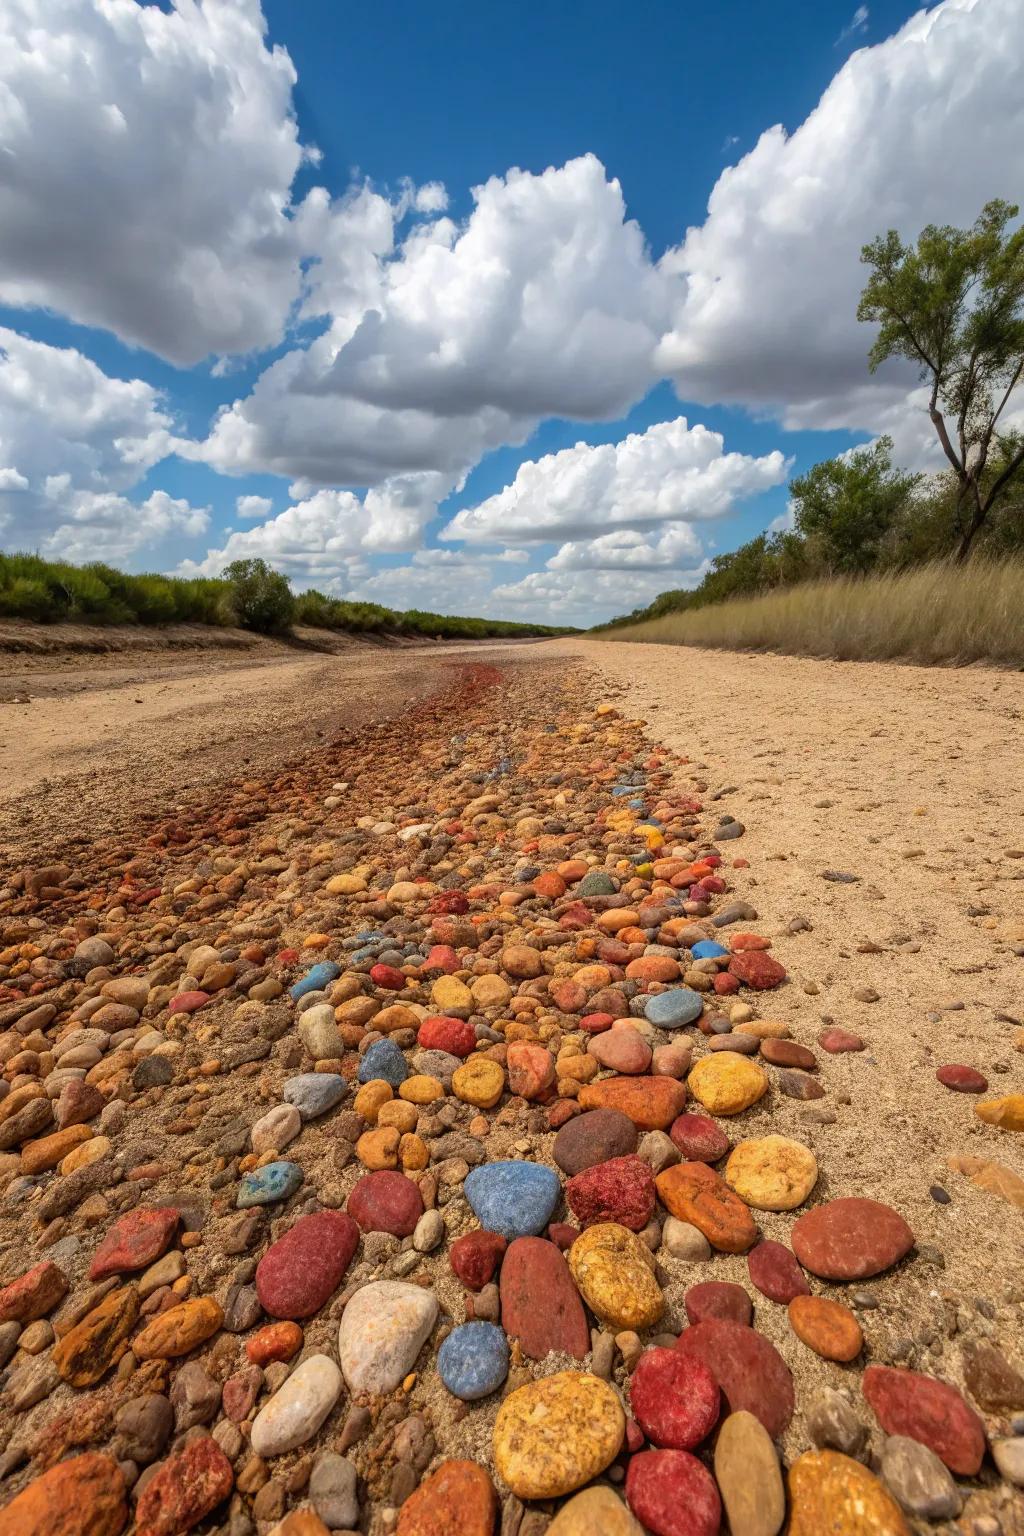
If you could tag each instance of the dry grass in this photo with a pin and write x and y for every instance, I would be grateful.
(935, 613)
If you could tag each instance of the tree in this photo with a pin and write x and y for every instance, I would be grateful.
(261, 598)
(954, 305)
(845, 507)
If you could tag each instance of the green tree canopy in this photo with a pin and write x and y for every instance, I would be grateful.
(261, 598)
(846, 506)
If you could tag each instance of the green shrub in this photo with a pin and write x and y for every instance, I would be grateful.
(261, 598)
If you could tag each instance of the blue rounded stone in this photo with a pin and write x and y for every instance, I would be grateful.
(384, 1059)
(707, 949)
(673, 1009)
(513, 1198)
(473, 1360)
(274, 1181)
(314, 1093)
(315, 980)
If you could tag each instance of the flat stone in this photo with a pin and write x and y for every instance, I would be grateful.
(836, 1041)
(727, 1083)
(1008, 1456)
(83, 1496)
(553, 1435)
(383, 1328)
(931, 1411)
(179, 1330)
(799, 1085)
(682, 1240)
(621, 1050)
(89, 1349)
(184, 1490)
(674, 1398)
(612, 1269)
(718, 1298)
(826, 1326)
(314, 1093)
(918, 1480)
(333, 1491)
(303, 1269)
(652, 1103)
(621, 1190)
(830, 1492)
(473, 1360)
(540, 1305)
(962, 1079)
(693, 1192)
(774, 1271)
(749, 1478)
(514, 1198)
(990, 1378)
(750, 1372)
(756, 969)
(850, 1239)
(592, 1138)
(267, 1185)
(673, 1494)
(772, 1173)
(298, 1408)
(458, 1499)
(674, 1009)
(134, 1242)
(596, 1511)
(1007, 1112)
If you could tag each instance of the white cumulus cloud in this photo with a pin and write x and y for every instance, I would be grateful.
(253, 508)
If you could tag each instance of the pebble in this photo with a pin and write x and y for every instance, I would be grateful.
(727, 1083)
(475, 1256)
(553, 1435)
(651, 1103)
(333, 1491)
(674, 1009)
(1008, 1456)
(314, 1093)
(133, 1242)
(479, 1082)
(621, 1190)
(850, 1239)
(386, 1202)
(828, 1491)
(33, 1294)
(695, 1193)
(774, 1271)
(85, 1496)
(473, 1360)
(302, 1270)
(918, 1480)
(1006, 1112)
(772, 1173)
(534, 1268)
(749, 1478)
(516, 1199)
(833, 1425)
(674, 1399)
(384, 1059)
(383, 1328)
(597, 1511)
(596, 1137)
(673, 1494)
(718, 1298)
(457, 1499)
(699, 1139)
(750, 1372)
(962, 1079)
(826, 1326)
(682, 1240)
(612, 1269)
(297, 1410)
(179, 1330)
(267, 1185)
(930, 1411)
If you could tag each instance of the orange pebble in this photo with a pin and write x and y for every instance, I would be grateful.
(277, 1341)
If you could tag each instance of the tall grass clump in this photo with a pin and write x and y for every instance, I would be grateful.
(937, 613)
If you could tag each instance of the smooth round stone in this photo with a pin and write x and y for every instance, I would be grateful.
(383, 1059)
(594, 1512)
(652, 1103)
(299, 1407)
(850, 1239)
(612, 1268)
(727, 1083)
(908, 1403)
(134, 1242)
(516, 1199)
(674, 1008)
(836, 1041)
(918, 1480)
(386, 1202)
(553, 1435)
(592, 1138)
(303, 1269)
(750, 1372)
(708, 949)
(682, 1240)
(740, 1045)
(788, 1053)
(620, 1190)
(798, 1085)
(673, 1494)
(596, 883)
(621, 1050)
(748, 1477)
(774, 1271)
(273, 1131)
(826, 1326)
(830, 1492)
(718, 1298)
(675, 1400)
(1008, 1456)
(475, 1256)
(672, 1060)
(699, 1139)
(455, 1036)
(695, 1193)
(314, 1093)
(272, 1182)
(383, 1328)
(83, 1496)
(473, 1361)
(772, 1173)
(962, 1079)
(479, 1082)
(458, 1499)
(540, 1305)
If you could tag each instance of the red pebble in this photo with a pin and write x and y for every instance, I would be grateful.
(441, 958)
(750, 1372)
(908, 1403)
(186, 1488)
(634, 1436)
(620, 1190)
(456, 1036)
(776, 1273)
(739, 942)
(33, 1294)
(717, 1298)
(476, 1256)
(386, 1202)
(597, 1023)
(962, 1079)
(757, 969)
(699, 1138)
(388, 977)
(303, 1268)
(575, 917)
(134, 1242)
(673, 1494)
(562, 1111)
(287, 957)
(450, 902)
(835, 1041)
(188, 1002)
(724, 984)
(277, 1341)
(676, 1400)
(563, 1235)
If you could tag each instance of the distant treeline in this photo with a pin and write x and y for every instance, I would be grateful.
(249, 594)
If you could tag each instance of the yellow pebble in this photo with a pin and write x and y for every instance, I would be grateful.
(612, 1270)
(402, 1115)
(1007, 1113)
(554, 1435)
(421, 1090)
(451, 995)
(378, 1148)
(413, 1152)
(370, 1099)
(479, 1081)
(727, 1083)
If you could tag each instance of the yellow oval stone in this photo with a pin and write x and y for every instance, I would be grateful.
(593, 1510)
(371, 1098)
(727, 1083)
(612, 1269)
(479, 1081)
(1007, 1113)
(404, 1117)
(490, 991)
(421, 1090)
(772, 1173)
(554, 1435)
(89, 1152)
(450, 994)
(832, 1493)
(179, 1330)
(345, 885)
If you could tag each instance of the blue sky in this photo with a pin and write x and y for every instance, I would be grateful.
(392, 356)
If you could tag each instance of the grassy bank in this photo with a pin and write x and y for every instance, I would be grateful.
(51, 592)
(933, 614)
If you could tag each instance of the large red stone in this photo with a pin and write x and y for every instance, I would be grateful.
(187, 1487)
(540, 1305)
(850, 1239)
(386, 1202)
(717, 1298)
(674, 1398)
(388, 977)
(456, 1036)
(776, 1273)
(134, 1242)
(699, 1138)
(475, 1256)
(303, 1268)
(750, 1372)
(620, 1190)
(962, 1079)
(907, 1403)
(458, 1499)
(757, 969)
(33, 1294)
(593, 1138)
(673, 1494)
(84, 1496)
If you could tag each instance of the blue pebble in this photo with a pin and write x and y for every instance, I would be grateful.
(707, 949)
(473, 1360)
(314, 1093)
(513, 1198)
(673, 1009)
(320, 976)
(618, 790)
(274, 1181)
(384, 1059)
